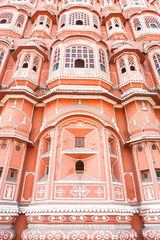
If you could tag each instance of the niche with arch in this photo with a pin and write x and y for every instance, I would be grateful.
(114, 159)
(79, 166)
(44, 159)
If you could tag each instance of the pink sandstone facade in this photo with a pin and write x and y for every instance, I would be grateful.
(80, 119)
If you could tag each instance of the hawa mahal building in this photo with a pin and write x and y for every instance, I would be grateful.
(80, 119)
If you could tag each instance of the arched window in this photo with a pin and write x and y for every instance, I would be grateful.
(153, 25)
(102, 60)
(110, 25)
(6, 17)
(63, 20)
(81, 18)
(20, 20)
(35, 64)
(18, 148)
(3, 146)
(152, 22)
(25, 65)
(140, 149)
(79, 63)
(41, 20)
(48, 23)
(154, 147)
(122, 65)
(1, 56)
(79, 22)
(26, 61)
(156, 60)
(56, 59)
(79, 55)
(131, 63)
(95, 22)
(137, 24)
(116, 22)
(79, 166)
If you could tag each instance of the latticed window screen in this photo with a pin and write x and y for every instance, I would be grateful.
(102, 60)
(79, 52)
(26, 61)
(1, 56)
(26, 58)
(116, 22)
(35, 63)
(56, 59)
(63, 20)
(122, 65)
(109, 25)
(20, 20)
(6, 17)
(95, 21)
(79, 16)
(137, 25)
(41, 20)
(79, 142)
(156, 59)
(131, 63)
(48, 23)
(152, 22)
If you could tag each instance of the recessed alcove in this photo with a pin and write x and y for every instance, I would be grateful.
(45, 159)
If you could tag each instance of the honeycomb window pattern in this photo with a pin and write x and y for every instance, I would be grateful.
(137, 25)
(1, 56)
(56, 59)
(79, 52)
(152, 22)
(102, 60)
(156, 60)
(6, 17)
(20, 20)
(74, 17)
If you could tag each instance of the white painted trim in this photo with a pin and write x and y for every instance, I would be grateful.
(156, 107)
(40, 105)
(17, 96)
(78, 97)
(139, 98)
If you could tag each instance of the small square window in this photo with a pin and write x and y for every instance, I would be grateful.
(18, 148)
(79, 142)
(158, 173)
(145, 175)
(3, 146)
(12, 174)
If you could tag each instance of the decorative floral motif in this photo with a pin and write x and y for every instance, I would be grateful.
(127, 235)
(152, 218)
(78, 235)
(102, 235)
(79, 191)
(150, 234)
(7, 234)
